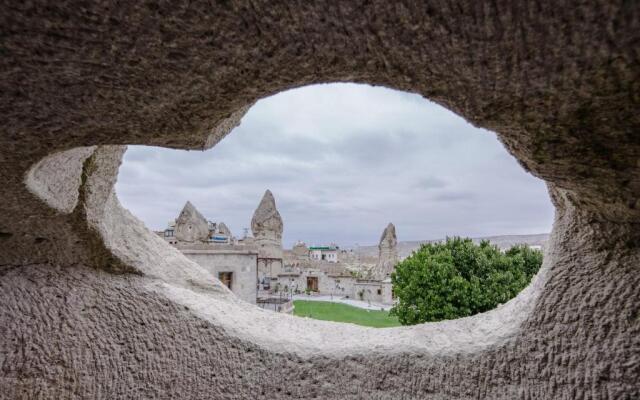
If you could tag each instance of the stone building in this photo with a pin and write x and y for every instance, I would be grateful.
(313, 270)
(375, 291)
(267, 228)
(317, 281)
(212, 246)
(249, 266)
(257, 269)
(324, 253)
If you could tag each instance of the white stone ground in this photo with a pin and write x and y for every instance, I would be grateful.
(337, 299)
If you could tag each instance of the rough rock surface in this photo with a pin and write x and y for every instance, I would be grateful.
(191, 226)
(93, 305)
(266, 221)
(223, 229)
(387, 253)
(267, 227)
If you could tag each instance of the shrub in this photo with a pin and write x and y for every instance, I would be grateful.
(458, 278)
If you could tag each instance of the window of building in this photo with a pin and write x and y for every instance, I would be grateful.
(226, 278)
(379, 292)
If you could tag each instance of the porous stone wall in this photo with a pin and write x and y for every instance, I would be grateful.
(93, 305)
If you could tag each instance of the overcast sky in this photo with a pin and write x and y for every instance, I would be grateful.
(343, 160)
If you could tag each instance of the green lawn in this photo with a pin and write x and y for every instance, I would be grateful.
(337, 312)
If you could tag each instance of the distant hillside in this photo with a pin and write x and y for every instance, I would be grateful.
(503, 242)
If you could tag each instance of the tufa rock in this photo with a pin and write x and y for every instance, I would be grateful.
(266, 222)
(267, 227)
(223, 229)
(191, 226)
(387, 253)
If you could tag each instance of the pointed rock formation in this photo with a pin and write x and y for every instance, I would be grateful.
(387, 253)
(191, 226)
(266, 221)
(267, 227)
(223, 229)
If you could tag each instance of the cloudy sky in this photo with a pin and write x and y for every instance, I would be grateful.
(343, 160)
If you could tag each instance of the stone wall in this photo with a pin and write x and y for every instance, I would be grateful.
(337, 285)
(243, 265)
(94, 305)
(372, 291)
(290, 283)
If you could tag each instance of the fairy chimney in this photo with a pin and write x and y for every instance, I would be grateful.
(267, 227)
(387, 253)
(191, 226)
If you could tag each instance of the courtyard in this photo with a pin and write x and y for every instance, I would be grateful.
(329, 311)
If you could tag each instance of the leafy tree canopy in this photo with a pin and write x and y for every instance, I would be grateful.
(459, 278)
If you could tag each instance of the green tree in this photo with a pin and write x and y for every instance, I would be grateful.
(458, 278)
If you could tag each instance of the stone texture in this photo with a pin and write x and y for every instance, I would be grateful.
(93, 305)
(387, 253)
(223, 229)
(266, 221)
(267, 227)
(59, 191)
(191, 226)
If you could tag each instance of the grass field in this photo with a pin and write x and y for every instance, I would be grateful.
(337, 312)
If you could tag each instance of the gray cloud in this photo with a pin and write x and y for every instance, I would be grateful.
(453, 196)
(430, 182)
(343, 160)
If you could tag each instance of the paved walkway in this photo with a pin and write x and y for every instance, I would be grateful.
(336, 299)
